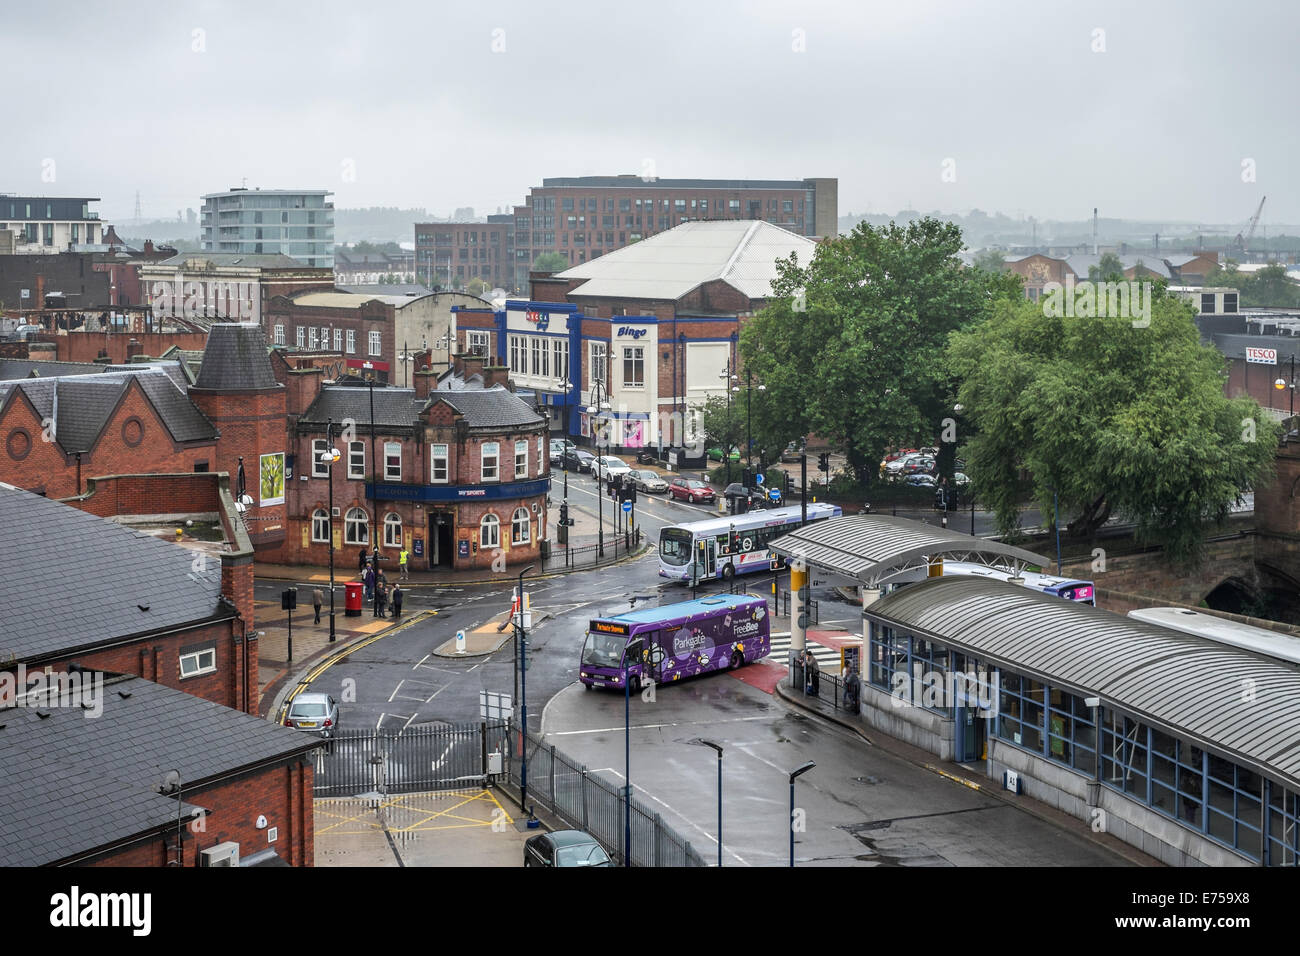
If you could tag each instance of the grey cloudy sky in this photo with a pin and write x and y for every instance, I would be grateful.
(429, 105)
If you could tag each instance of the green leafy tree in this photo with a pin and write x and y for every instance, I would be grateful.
(1116, 419)
(1108, 269)
(551, 262)
(723, 426)
(476, 286)
(990, 260)
(850, 346)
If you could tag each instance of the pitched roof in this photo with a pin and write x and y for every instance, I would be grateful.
(197, 261)
(12, 369)
(235, 358)
(353, 300)
(73, 785)
(495, 407)
(668, 265)
(46, 612)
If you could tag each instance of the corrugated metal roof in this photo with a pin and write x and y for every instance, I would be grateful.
(740, 252)
(872, 547)
(1183, 683)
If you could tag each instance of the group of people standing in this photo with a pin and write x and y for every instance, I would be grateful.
(376, 583)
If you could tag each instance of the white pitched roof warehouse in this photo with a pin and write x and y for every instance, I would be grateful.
(668, 265)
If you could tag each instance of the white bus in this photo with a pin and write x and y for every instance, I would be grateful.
(1072, 589)
(731, 544)
(1273, 644)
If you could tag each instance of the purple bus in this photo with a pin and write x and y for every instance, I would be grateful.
(665, 644)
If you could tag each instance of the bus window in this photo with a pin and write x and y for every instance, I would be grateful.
(632, 656)
(603, 650)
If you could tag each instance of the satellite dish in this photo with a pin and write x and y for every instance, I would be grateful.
(170, 782)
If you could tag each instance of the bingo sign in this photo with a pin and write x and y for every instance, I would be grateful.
(1261, 356)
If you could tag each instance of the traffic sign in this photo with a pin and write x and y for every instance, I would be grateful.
(460, 642)
(758, 479)
(774, 494)
(627, 507)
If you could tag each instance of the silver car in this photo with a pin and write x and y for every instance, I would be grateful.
(647, 481)
(315, 714)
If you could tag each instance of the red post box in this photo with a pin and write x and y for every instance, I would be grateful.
(352, 600)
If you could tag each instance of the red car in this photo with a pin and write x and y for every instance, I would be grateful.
(691, 489)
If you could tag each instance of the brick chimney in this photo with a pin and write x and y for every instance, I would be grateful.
(426, 380)
(148, 248)
(132, 349)
(496, 375)
(471, 365)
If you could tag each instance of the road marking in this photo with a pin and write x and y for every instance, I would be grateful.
(607, 730)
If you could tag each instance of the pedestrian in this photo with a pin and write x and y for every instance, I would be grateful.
(375, 558)
(361, 564)
(379, 600)
(317, 599)
(403, 558)
(368, 578)
(396, 598)
(812, 672)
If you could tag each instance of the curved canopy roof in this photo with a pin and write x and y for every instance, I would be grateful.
(1229, 699)
(873, 548)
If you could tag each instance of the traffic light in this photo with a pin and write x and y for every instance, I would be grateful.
(565, 520)
(824, 461)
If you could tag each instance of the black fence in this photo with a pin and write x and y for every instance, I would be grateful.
(585, 800)
(781, 606)
(557, 557)
(841, 693)
(428, 757)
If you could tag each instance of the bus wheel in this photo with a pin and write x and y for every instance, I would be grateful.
(729, 574)
(737, 660)
(587, 686)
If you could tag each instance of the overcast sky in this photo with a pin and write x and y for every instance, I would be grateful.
(442, 105)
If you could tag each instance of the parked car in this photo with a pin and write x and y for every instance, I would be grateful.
(792, 452)
(918, 466)
(647, 456)
(646, 480)
(574, 460)
(897, 467)
(606, 466)
(314, 713)
(690, 489)
(715, 454)
(920, 480)
(565, 848)
(559, 446)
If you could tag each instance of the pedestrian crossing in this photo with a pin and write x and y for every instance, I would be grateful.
(827, 658)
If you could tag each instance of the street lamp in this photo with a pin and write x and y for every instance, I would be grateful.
(1282, 383)
(749, 423)
(793, 774)
(329, 456)
(729, 377)
(564, 432)
(627, 762)
(599, 401)
(717, 747)
(523, 698)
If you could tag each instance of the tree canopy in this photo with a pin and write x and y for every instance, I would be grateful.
(851, 345)
(1265, 289)
(1116, 419)
(551, 262)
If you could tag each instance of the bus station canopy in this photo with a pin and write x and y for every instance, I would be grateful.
(1235, 700)
(873, 548)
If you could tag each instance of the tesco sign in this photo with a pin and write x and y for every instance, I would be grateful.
(1261, 356)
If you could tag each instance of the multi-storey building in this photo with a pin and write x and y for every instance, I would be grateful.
(451, 253)
(584, 217)
(45, 224)
(293, 222)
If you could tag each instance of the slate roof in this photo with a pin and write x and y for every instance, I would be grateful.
(13, 369)
(235, 358)
(71, 580)
(84, 403)
(195, 261)
(495, 407)
(72, 785)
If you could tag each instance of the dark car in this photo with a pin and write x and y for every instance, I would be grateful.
(646, 456)
(565, 848)
(574, 460)
(920, 480)
(690, 489)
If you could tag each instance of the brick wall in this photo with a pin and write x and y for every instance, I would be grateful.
(87, 346)
(282, 794)
(44, 467)
(1152, 576)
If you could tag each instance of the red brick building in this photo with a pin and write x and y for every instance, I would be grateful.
(458, 475)
(110, 791)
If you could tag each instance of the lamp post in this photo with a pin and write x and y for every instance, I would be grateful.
(627, 763)
(749, 422)
(599, 401)
(329, 456)
(718, 748)
(564, 432)
(728, 378)
(523, 697)
(799, 771)
(374, 465)
(1282, 383)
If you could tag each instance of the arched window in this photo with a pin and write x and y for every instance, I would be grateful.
(392, 530)
(519, 527)
(489, 531)
(320, 525)
(356, 526)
